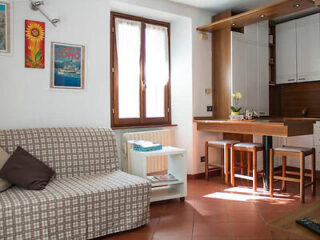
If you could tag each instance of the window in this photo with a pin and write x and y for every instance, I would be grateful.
(140, 71)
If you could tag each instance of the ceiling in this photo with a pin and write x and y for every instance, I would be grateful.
(218, 6)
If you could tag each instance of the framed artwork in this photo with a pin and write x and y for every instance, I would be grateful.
(67, 66)
(34, 44)
(4, 27)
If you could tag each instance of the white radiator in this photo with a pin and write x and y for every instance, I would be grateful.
(154, 164)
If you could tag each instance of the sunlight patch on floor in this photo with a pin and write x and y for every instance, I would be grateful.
(244, 194)
(260, 191)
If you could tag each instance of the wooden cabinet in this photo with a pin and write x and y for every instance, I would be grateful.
(308, 48)
(250, 67)
(286, 51)
(298, 50)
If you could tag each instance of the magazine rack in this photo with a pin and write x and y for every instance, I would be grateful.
(176, 166)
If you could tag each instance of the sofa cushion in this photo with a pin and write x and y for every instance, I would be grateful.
(4, 184)
(76, 208)
(24, 170)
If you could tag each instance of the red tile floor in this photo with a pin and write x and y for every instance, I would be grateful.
(214, 210)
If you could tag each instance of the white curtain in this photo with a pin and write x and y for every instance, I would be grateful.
(156, 69)
(128, 35)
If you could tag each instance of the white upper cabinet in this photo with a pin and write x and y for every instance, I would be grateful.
(298, 50)
(308, 48)
(286, 52)
(250, 66)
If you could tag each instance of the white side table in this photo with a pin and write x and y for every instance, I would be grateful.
(176, 166)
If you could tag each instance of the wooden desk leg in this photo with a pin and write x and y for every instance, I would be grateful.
(271, 172)
(255, 175)
(226, 156)
(222, 161)
(207, 160)
(267, 144)
(242, 162)
(313, 172)
(233, 159)
(284, 169)
(302, 189)
(249, 163)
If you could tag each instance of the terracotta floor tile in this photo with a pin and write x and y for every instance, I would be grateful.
(245, 216)
(218, 215)
(174, 228)
(130, 236)
(172, 238)
(206, 216)
(205, 228)
(212, 237)
(251, 229)
(150, 227)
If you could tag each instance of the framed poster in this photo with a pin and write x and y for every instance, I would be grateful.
(34, 44)
(4, 27)
(67, 66)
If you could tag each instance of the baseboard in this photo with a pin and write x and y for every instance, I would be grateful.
(218, 173)
(202, 175)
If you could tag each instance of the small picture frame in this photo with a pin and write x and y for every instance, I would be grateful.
(4, 27)
(34, 44)
(67, 66)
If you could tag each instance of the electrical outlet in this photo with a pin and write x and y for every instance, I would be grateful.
(202, 159)
(209, 108)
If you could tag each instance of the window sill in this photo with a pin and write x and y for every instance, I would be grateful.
(144, 126)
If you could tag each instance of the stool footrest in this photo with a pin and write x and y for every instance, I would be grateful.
(309, 184)
(243, 177)
(288, 179)
(298, 174)
(214, 169)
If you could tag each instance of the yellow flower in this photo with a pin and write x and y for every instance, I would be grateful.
(238, 95)
(35, 32)
(233, 95)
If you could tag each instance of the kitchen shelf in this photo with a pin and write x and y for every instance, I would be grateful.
(269, 12)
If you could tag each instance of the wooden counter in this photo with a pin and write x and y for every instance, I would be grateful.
(280, 127)
(266, 127)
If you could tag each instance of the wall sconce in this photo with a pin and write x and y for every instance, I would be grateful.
(203, 36)
(35, 5)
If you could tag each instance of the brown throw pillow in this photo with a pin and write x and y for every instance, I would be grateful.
(24, 170)
(4, 185)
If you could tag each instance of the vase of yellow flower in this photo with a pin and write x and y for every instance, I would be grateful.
(235, 109)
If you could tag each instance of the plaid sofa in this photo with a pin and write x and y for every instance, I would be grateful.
(89, 197)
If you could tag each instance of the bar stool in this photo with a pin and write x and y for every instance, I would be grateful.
(301, 153)
(225, 146)
(253, 148)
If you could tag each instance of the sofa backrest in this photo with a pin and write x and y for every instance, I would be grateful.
(69, 151)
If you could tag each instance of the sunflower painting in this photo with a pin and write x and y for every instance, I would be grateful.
(34, 44)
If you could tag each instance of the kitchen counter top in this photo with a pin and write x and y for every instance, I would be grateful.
(282, 127)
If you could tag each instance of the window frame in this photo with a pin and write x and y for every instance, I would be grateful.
(116, 122)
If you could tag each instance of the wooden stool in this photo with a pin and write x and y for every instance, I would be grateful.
(301, 153)
(225, 146)
(250, 148)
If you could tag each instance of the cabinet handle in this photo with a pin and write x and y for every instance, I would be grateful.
(302, 79)
(292, 79)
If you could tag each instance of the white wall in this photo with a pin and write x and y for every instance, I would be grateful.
(26, 99)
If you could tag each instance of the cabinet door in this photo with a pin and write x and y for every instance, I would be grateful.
(250, 67)
(264, 71)
(308, 48)
(239, 66)
(253, 86)
(286, 50)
